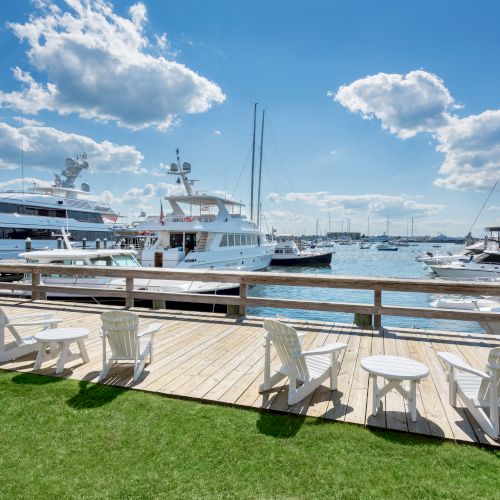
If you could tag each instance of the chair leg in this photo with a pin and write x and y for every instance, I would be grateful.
(40, 356)
(271, 382)
(334, 369)
(452, 387)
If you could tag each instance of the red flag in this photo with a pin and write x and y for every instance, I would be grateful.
(162, 216)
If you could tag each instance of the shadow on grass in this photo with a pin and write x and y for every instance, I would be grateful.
(93, 395)
(33, 379)
(278, 425)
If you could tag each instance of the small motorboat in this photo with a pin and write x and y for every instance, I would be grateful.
(387, 247)
(288, 254)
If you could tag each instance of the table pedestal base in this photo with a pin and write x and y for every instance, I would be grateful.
(65, 354)
(408, 395)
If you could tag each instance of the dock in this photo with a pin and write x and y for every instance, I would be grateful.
(218, 359)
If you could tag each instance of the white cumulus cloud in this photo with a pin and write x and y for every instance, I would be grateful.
(47, 147)
(419, 102)
(101, 66)
(377, 204)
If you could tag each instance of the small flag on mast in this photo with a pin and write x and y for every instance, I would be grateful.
(162, 216)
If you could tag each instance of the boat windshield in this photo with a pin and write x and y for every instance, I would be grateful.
(125, 261)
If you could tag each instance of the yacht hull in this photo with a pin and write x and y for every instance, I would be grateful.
(324, 258)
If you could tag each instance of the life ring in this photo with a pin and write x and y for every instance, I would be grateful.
(188, 219)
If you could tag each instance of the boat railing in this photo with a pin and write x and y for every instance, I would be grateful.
(190, 218)
(243, 301)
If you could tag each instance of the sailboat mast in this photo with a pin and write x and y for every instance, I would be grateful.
(253, 161)
(387, 231)
(368, 226)
(260, 167)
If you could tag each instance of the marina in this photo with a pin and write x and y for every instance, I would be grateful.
(249, 266)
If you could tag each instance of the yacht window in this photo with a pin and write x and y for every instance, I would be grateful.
(237, 240)
(254, 239)
(8, 208)
(230, 240)
(125, 261)
(491, 258)
(223, 241)
(243, 239)
(101, 261)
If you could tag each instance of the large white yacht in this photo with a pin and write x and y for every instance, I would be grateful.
(204, 231)
(39, 211)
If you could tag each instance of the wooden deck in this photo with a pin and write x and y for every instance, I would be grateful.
(212, 358)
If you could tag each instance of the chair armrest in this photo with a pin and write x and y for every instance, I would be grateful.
(152, 328)
(35, 322)
(452, 360)
(327, 349)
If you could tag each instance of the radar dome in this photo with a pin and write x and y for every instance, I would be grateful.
(174, 167)
(85, 187)
(69, 162)
(186, 167)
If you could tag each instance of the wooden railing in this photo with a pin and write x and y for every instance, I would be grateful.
(39, 290)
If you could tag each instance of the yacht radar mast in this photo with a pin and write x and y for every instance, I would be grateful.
(71, 173)
(182, 173)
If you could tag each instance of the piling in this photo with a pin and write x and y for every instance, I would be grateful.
(105, 241)
(122, 243)
(59, 243)
(27, 244)
(97, 244)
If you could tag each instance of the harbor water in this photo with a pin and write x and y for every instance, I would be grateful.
(350, 260)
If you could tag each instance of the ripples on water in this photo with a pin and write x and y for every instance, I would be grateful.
(352, 261)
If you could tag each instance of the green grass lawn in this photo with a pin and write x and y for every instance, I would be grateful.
(68, 439)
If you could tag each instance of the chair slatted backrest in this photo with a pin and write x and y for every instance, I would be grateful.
(120, 328)
(493, 364)
(4, 320)
(287, 343)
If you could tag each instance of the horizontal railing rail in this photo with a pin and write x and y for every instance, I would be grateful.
(244, 279)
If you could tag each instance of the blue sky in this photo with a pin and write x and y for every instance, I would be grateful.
(374, 108)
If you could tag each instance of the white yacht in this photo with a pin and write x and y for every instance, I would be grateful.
(115, 257)
(204, 231)
(438, 259)
(484, 266)
(39, 211)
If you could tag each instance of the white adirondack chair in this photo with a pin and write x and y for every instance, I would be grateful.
(478, 390)
(311, 368)
(22, 344)
(120, 329)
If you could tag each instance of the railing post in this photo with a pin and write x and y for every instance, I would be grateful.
(377, 302)
(36, 281)
(243, 296)
(129, 287)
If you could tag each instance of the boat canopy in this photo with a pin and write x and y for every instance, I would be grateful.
(203, 200)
